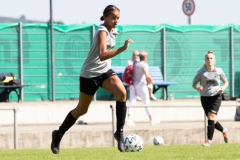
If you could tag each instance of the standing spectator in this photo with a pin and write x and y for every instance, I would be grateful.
(135, 58)
(140, 80)
(210, 90)
(96, 72)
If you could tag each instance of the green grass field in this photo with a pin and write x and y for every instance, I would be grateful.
(216, 151)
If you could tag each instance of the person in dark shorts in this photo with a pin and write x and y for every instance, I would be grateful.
(96, 72)
(210, 90)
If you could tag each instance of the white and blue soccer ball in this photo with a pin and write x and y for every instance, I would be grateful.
(158, 141)
(133, 143)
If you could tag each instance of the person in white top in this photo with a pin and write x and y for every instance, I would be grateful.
(135, 58)
(140, 80)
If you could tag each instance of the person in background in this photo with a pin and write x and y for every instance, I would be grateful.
(211, 91)
(140, 80)
(135, 58)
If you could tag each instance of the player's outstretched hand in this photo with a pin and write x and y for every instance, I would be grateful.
(126, 44)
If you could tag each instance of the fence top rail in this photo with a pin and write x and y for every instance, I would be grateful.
(15, 108)
(178, 104)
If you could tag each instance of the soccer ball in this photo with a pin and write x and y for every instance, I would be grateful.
(133, 143)
(158, 141)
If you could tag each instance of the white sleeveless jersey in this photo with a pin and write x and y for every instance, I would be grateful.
(92, 66)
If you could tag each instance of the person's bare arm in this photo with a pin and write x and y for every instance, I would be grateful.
(224, 87)
(199, 88)
(148, 77)
(104, 54)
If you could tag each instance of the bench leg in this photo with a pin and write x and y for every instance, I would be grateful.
(18, 94)
(165, 93)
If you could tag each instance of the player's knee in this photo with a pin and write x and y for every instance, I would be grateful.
(121, 94)
(79, 111)
(211, 116)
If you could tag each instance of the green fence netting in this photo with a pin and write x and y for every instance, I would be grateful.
(184, 46)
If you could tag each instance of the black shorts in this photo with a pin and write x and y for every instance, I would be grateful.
(89, 86)
(211, 104)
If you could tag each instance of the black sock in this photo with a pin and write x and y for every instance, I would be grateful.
(210, 129)
(67, 123)
(219, 127)
(121, 115)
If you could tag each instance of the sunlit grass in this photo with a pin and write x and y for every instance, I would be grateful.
(216, 151)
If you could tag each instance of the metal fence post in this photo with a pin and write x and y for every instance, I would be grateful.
(164, 58)
(93, 33)
(205, 127)
(52, 53)
(113, 124)
(232, 62)
(20, 58)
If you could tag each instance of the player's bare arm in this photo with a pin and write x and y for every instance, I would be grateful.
(104, 54)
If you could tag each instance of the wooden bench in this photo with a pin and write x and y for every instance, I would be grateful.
(154, 72)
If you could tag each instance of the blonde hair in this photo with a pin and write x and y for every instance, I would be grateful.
(143, 55)
(209, 52)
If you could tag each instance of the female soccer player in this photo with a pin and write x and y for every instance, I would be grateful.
(211, 94)
(96, 71)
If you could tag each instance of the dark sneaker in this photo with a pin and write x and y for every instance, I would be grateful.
(56, 138)
(119, 138)
(225, 135)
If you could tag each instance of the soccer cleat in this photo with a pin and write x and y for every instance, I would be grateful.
(207, 143)
(130, 123)
(225, 135)
(119, 138)
(56, 138)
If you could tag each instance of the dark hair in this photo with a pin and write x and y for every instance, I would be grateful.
(107, 10)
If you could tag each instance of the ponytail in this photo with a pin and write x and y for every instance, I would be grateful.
(204, 65)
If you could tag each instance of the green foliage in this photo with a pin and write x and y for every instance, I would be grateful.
(166, 152)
